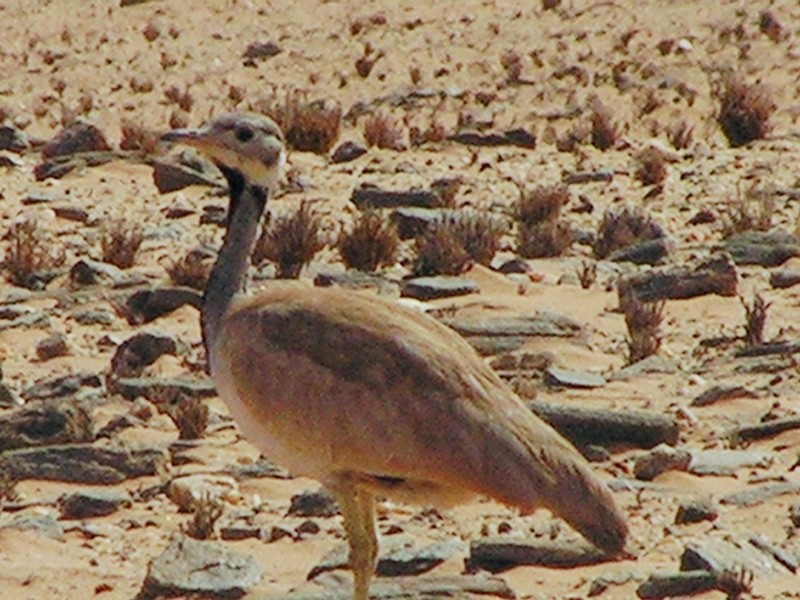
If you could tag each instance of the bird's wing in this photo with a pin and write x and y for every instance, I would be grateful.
(379, 389)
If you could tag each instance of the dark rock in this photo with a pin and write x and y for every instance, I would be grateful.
(93, 316)
(257, 50)
(578, 177)
(347, 151)
(573, 379)
(140, 351)
(69, 212)
(82, 463)
(10, 160)
(718, 555)
(46, 424)
(80, 136)
(438, 286)
(785, 279)
(8, 396)
(660, 459)
(308, 527)
(214, 215)
(93, 272)
(695, 511)
(519, 137)
(355, 280)
(25, 320)
(373, 197)
(163, 390)
(515, 265)
(500, 553)
(542, 324)
(674, 585)
(13, 139)
(208, 569)
(313, 503)
(52, 346)
(260, 468)
(648, 252)
(794, 514)
(178, 210)
(719, 393)
(89, 503)
(171, 175)
(651, 364)
(762, 493)
(768, 249)
(61, 387)
(413, 221)
(145, 306)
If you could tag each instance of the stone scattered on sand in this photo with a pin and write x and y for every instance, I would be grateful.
(347, 151)
(82, 463)
(163, 389)
(412, 221)
(61, 387)
(145, 306)
(760, 493)
(52, 346)
(660, 459)
(34, 318)
(648, 252)
(93, 272)
(140, 351)
(518, 137)
(696, 510)
(171, 175)
(191, 567)
(764, 248)
(369, 196)
(352, 279)
(93, 316)
(14, 139)
(718, 393)
(88, 503)
(672, 585)
(438, 286)
(717, 555)
(785, 278)
(45, 524)
(80, 136)
(794, 514)
(573, 379)
(313, 503)
(186, 491)
(727, 462)
(46, 424)
(652, 364)
(499, 553)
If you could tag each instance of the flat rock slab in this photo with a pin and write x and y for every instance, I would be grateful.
(719, 393)
(765, 248)
(413, 221)
(160, 389)
(717, 275)
(61, 387)
(671, 585)
(785, 279)
(46, 424)
(573, 379)
(82, 463)
(147, 305)
(518, 137)
(541, 324)
(45, 524)
(500, 553)
(761, 493)
(356, 280)
(717, 555)
(86, 504)
(209, 569)
(727, 462)
(651, 364)
(374, 197)
(169, 175)
(438, 286)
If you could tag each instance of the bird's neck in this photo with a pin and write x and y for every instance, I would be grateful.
(247, 203)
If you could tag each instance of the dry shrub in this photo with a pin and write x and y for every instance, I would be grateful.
(643, 320)
(137, 137)
(541, 231)
(206, 512)
(291, 241)
(370, 244)
(8, 487)
(752, 211)
(309, 125)
(191, 418)
(182, 97)
(447, 188)
(31, 253)
(604, 130)
(587, 274)
(512, 64)
(651, 168)
(120, 241)
(744, 111)
(680, 134)
(384, 131)
(478, 233)
(622, 228)
(439, 252)
(193, 269)
(755, 314)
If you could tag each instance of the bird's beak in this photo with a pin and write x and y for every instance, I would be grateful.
(199, 138)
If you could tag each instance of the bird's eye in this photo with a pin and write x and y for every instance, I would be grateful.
(244, 134)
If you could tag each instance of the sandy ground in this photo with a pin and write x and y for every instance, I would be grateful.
(64, 58)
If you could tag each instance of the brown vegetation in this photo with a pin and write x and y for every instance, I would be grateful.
(309, 125)
(744, 111)
(622, 228)
(192, 269)
(384, 131)
(439, 252)
(755, 315)
(643, 320)
(370, 244)
(120, 241)
(291, 241)
(30, 253)
(541, 231)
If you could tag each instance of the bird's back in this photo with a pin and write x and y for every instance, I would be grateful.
(339, 384)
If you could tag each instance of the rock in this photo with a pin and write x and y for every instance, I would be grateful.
(257, 50)
(373, 197)
(10, 160)
(727, 462)
(8, 397)
(762, 493)
(145, 306)
(236, 532)
(784, 279)
(46, 524)
(412, 221)
(307, 527)
(541, 324)
(187, 490)
(674, 585)
(93, 272)
(718, 555)
(208, 569)
(162, 390)
(52, 346)
(718, 393)
(347, 151)
(716, 275)
(514, 265)
(179, 209)
(518, 137)
(651, 364)
(82, 463)
(80, 136)
(171, 175)
(780, 555)
(61, 387)
(313, 503)
(768, 249)
(28, 319)
(695, 511)
(438, 286)
(86, 504)
(13, 139)
(214, 215)
(356, 280)
(648, 252)
(660, 459)
(46, 424)
(69, 212)
(140, 351)
(93, 316)
(500, 553)
(573, 379)
(260, 468)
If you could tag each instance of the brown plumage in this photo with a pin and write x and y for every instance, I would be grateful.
(369, 397)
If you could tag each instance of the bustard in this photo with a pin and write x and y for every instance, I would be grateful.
(370, 398)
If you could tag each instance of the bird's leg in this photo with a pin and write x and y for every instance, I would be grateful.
(358, 510)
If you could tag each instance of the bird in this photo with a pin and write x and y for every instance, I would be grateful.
(372, 399)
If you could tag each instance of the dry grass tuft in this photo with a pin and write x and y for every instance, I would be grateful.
(751, 211)
(587, 274)
(191, 418)
(309, 125)
(643, 320)
(651, 168)
(182, 97)
(137, 137)
(541, 231)
(744, 111)
(291, 241)
(440, 252)
(384, 131)
(30, 254)
(680, 134)
(621, 228)
(604, 131)
(478, 232)
(206, 512)
(120, 241)
(8, 487)
(755, 315)
(371, 243)
(193, 269)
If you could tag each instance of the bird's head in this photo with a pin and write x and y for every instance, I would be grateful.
(248, 148)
